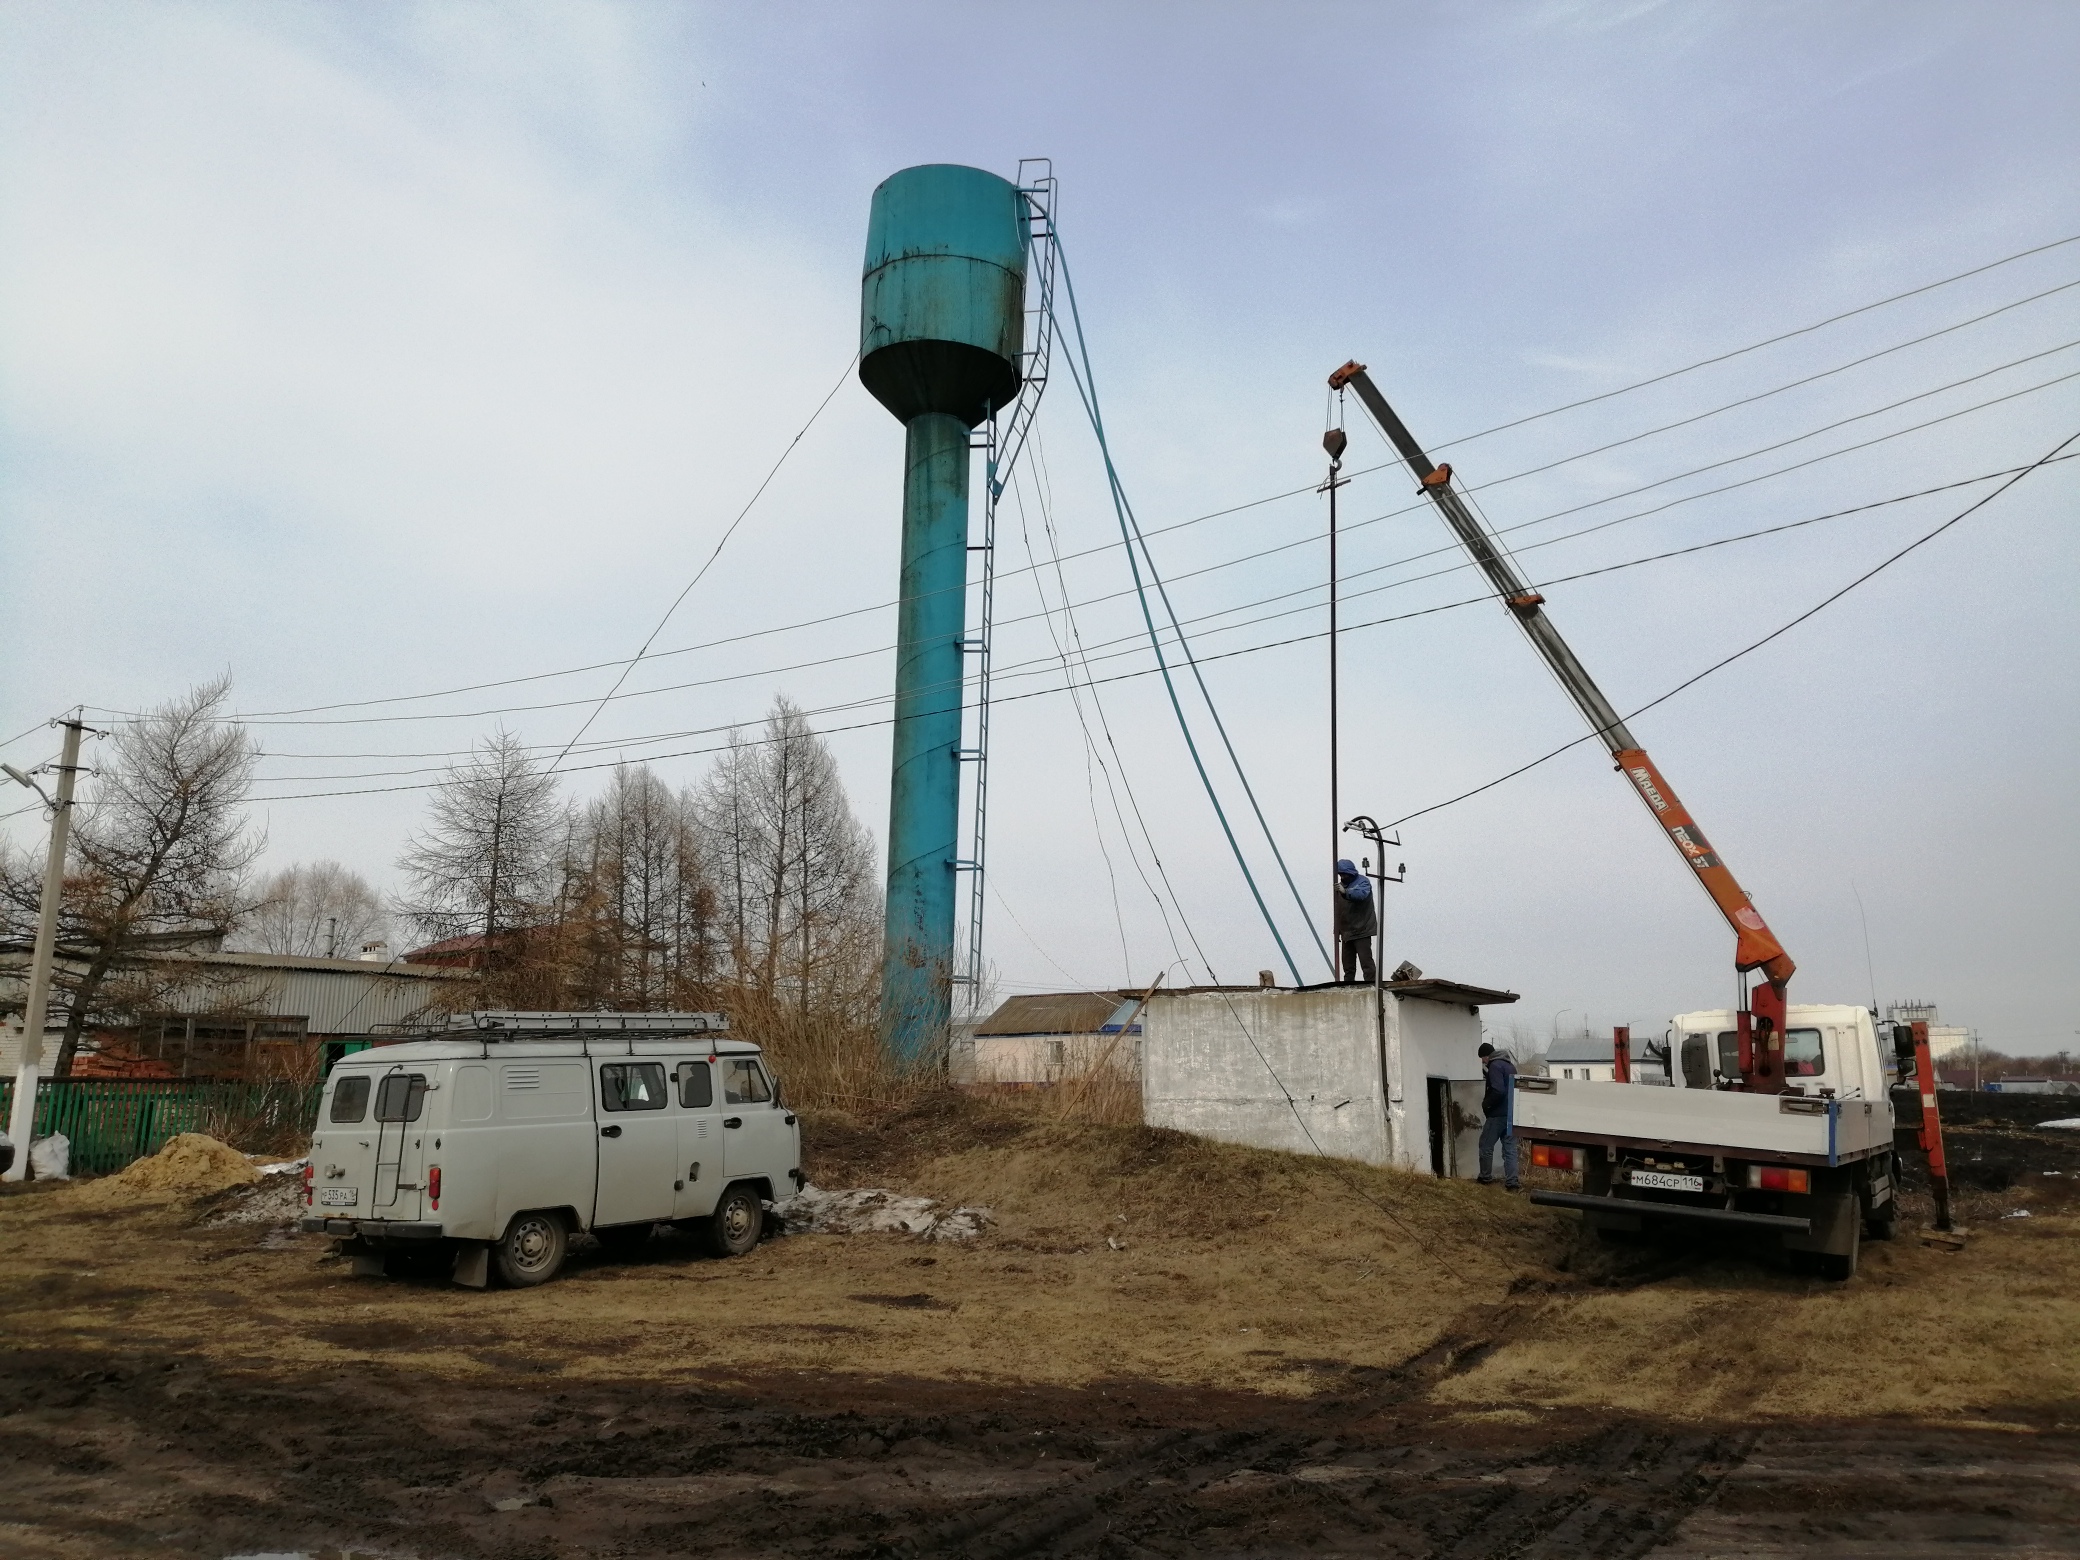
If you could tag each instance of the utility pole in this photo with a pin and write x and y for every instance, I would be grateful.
(1335, 441)
(22, 1120)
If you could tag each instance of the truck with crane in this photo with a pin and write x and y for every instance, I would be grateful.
(1781, 1118)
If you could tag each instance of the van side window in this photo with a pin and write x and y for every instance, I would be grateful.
(743, 1083)
(632, 1086)
(402, 1097)
(696, 1085)
(350, 1098)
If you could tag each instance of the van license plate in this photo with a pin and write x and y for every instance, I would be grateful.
(338, 1196)
(1662, 1181)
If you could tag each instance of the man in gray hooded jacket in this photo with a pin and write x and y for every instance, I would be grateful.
(1499, 1075)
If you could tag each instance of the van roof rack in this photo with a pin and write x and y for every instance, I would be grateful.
(513, 1022)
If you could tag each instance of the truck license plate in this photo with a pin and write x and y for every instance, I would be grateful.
(337, 1196)
(1662, 1181)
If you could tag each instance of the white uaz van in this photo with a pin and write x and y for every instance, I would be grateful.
(497, 1139)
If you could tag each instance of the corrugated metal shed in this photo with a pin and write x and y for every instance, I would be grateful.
(335, 996)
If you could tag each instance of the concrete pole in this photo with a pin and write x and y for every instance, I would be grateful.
(22, 1120)
(924, 786)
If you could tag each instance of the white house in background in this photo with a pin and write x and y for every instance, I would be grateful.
(1045, 1037)
(1583, 1056)
(1323, 1069)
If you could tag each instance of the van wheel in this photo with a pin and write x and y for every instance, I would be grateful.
(624, 1240)
(734, 1227)
(533, 1249)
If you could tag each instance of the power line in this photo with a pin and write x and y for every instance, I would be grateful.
(1296, 492)
(1092, 681)
(1757, 346)
(1748, 649)
(1523, 525)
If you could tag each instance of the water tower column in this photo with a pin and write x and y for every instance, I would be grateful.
(942, 322)
(924, 779)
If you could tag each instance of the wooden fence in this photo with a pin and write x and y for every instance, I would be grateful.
(112, 1121)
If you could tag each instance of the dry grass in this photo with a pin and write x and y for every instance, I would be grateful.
(1123, 1254)
(1920, 1331)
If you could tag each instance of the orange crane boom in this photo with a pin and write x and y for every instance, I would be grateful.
(1755, 945)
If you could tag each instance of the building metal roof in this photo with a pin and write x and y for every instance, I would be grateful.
(1582, 1048)
(336, 996)
(1055, 1013)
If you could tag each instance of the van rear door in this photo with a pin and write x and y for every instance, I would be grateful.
(400, 1109)
(343, 1157)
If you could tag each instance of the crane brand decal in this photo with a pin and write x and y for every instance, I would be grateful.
(1693, 845)
(1644, 779)
(1750, 919)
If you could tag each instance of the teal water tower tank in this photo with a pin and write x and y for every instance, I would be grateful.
(942, 322)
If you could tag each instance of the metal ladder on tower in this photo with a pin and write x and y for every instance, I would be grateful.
(1001, 439)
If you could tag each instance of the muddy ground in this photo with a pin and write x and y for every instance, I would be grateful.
(1161, 1348)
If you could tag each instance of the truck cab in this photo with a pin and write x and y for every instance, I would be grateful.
(491, 1145)
(1827, 1050)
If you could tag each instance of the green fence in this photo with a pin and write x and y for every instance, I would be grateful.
(111, 1121)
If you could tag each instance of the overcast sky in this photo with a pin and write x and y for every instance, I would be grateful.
(380, 349)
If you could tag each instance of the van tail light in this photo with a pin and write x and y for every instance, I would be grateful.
(1775, 1178)
(1548, 1156)
(433, 1186)
(307, 1185)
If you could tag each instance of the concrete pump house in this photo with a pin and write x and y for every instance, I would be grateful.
(1387, 1078)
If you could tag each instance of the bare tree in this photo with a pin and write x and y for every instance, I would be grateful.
(638, 903)
(159, 854)
(794, 868)
(484, 862)
(316, 909)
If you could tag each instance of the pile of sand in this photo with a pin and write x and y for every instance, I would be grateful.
(189, 1166)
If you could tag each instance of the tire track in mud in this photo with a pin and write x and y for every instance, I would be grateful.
(1155, 1487)
(1622, 1490)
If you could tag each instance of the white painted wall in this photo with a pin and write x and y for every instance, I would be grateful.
(1209, 1061)
(1050, 1058)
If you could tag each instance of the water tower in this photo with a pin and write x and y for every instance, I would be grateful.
(942, 319)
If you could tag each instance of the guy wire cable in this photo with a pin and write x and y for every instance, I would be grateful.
(701, 573)
(1087, 392)
(1300, 491)
(1043, 494)
(1090, 746)
(1127, 676)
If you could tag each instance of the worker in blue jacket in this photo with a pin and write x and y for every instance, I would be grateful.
(1357, 922)
(1499, 1074)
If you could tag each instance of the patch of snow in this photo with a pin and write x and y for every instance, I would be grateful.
(868, 1211)
(2064, 1123)
(285, 1167)
(270, 1200)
